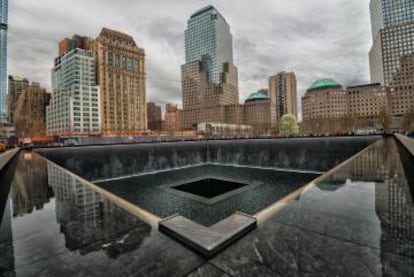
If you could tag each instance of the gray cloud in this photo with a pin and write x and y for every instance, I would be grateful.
(313, 38)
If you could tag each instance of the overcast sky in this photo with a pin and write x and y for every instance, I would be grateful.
(313, 38)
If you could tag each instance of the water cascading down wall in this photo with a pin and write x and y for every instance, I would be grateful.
(111, 161)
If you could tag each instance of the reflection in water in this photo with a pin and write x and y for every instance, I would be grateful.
(53, 202)
(151, 192)
(7, 260)
(379, 162)
(90, 222)
(30, 190)
(6, 241)
(394, 206)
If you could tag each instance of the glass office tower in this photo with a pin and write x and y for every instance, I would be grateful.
(3, 60)
(392, 24)
(208, 39)
(209, 78)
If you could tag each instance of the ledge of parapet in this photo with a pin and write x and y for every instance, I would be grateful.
(208, 241)
(407, 142)
(7, 156)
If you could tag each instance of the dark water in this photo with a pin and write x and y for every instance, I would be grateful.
(209, 187)
(49, 213)
(149, 192)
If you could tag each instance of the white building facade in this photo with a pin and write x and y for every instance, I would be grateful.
(74, 108)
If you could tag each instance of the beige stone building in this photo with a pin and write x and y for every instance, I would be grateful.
(172, 118)
(120, 69)
(259, 112)
(367, 105)
(329, 108)
(30, 111)
(283, 87)
(204, 101)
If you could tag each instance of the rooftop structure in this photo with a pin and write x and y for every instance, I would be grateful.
(256, 96)
(324, 84)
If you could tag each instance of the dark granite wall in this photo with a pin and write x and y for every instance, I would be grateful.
(314, 154)
(102, 162)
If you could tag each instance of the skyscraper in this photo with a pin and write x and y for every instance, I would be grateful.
(209, 78)
(401, 90)
(282, 87)
(17, 86)
(74, 107)
(3, 60)
(208, 39)
(393, 37)
(121, 76)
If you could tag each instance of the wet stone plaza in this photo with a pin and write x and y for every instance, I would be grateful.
(284, 207)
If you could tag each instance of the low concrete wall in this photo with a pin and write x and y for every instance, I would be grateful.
(7, 156)
(407, 142)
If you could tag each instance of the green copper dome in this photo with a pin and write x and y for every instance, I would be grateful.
(325, 84)
(255, 96)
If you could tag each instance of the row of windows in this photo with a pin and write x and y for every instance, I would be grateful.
(122, 62)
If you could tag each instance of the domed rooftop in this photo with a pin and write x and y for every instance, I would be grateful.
(255, 96)
(324, 84)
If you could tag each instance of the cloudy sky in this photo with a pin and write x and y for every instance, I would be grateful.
(313, 38)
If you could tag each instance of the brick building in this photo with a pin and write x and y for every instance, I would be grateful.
(154, 116)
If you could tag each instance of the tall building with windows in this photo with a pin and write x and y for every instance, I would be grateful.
(121, 76)
(393, 37)
(400, 94)
(17, 85)
(3, 60)
(172, 118)
(283, 87)
(154, 116)
(329, 108)
(209, 78)
(30, 111)
(208, 39)
(74, 108)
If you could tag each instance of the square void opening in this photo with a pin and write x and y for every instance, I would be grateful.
(209, 187)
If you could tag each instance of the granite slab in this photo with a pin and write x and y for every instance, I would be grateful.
(208, 241)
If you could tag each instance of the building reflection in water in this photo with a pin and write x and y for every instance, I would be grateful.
(7, 260)
(88, 221)
(30, 190)
(6, 241)
(394, 206)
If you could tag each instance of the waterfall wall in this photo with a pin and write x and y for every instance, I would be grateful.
(111, 161)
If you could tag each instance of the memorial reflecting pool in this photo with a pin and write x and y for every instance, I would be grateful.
(355, 220)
